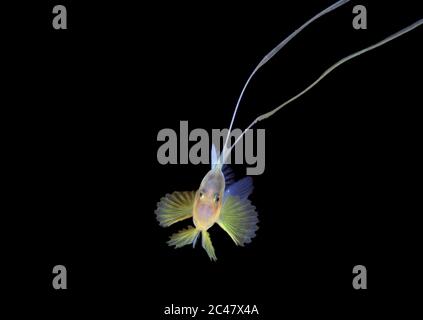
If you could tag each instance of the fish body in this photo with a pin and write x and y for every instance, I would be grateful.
(221, 201)
(207, 202)
(218, 200)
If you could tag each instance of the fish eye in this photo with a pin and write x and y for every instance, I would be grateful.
(201, 195)
(216, 198)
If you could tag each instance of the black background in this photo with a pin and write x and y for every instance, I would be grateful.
(342, 163)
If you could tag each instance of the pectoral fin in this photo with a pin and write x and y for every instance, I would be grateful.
(238, 218)
(175, 207)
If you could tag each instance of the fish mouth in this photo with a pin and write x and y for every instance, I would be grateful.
(205, 211)
(205, 215)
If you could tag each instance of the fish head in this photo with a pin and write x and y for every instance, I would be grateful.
(208, 199)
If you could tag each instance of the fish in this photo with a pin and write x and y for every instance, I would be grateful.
(218, 200)
(222, 200)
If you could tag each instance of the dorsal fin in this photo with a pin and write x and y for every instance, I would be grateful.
(227, 149)
(323, 75)
(214, 156)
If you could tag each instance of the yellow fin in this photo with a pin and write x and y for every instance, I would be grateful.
(184, 237)
(207, 245)
(238, 217)
(175, 207)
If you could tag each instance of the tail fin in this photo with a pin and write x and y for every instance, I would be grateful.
(207, 245)
(184, 237)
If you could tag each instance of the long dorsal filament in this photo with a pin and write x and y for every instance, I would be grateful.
(226, 152)
(227, 149)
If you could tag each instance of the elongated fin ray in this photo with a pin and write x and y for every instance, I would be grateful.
(184, 237)
(238, 218)
(175, 207)
(324, 74)
(226, 150)
(214, 156)
(207, 245)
